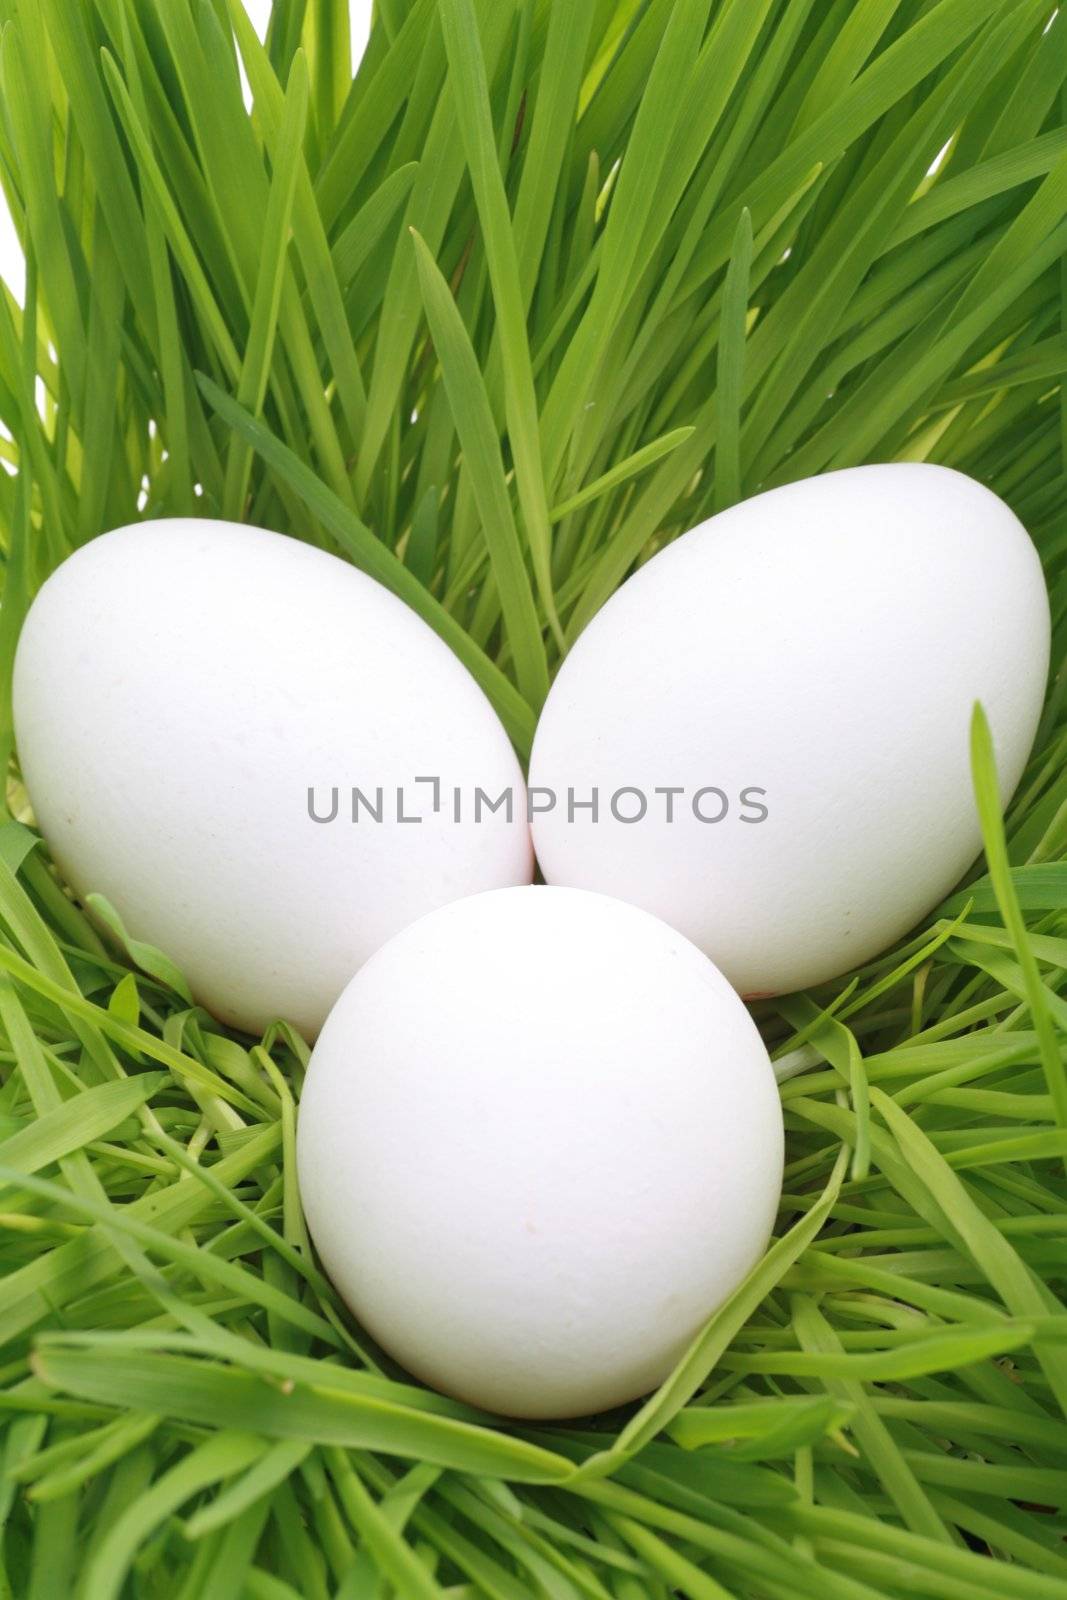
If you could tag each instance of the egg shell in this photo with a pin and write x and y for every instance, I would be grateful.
(179, 687)
(823, 644)
(539, 1142)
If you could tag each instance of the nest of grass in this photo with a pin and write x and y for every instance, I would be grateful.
(544, 286)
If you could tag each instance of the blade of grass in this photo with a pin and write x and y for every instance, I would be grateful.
(622, 472)
(255, 370)
(730, 385)
(471, 91)
(987, 798)
(477, 433)
(370, 554)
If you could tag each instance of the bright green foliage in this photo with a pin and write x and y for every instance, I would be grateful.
(548, 283)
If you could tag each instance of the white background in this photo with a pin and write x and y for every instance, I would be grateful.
(259, 11)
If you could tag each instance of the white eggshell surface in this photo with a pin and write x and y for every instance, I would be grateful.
(180, 685)
(539, 1142)
(823, 643)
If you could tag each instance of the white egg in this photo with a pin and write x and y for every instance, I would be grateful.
(801, 671)
(540, 1141)
(180, 687)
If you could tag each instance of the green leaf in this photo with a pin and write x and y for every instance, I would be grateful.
(987, 797)
(477, 433)
(699, 1360)
(207, 1393)
(622, 472)
(370, 554)
(471, 91)
(768, 1427)
(145, 956)
(255, 371)
(76, 1122)
(730, 387)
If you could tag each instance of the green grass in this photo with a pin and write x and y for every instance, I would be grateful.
(546, 285)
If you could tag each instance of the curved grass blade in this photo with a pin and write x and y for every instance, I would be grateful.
(209, 1394)
(377, 560)
(729, 389)
(987, 797)
(699, 1360)
(266, 306)
(473, 417)
(471, 90)
(77, 1122)
(622, 472)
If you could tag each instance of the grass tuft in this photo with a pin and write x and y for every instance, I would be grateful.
(542, 287)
